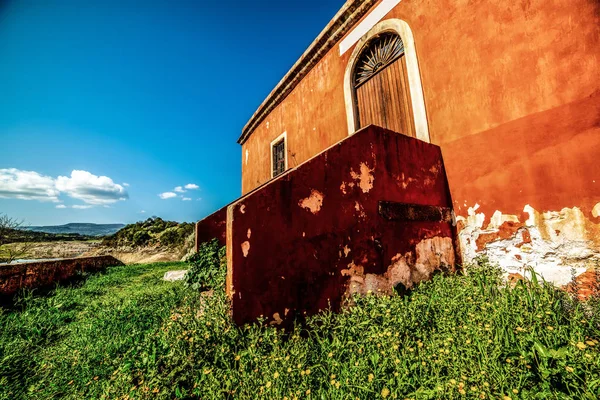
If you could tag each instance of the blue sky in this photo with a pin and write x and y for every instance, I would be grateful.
(107, 104)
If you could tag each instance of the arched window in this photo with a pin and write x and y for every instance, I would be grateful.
(363, 71)
(382, 94)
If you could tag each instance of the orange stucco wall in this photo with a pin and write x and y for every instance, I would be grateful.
(512, 95)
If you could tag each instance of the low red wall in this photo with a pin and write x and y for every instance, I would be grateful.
(212, 227)
(344, 222)
(46, 273)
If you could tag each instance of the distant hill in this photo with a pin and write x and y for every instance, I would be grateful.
(84, 229)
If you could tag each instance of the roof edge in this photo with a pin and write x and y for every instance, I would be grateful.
(341, 23)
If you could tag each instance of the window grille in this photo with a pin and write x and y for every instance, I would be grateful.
(278, 150)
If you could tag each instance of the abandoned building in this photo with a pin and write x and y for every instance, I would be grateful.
(413, 136)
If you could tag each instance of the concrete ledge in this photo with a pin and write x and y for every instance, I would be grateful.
(40, 274)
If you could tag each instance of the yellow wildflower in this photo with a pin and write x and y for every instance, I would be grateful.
(371, 377)
(385, 392)
(569, 369)
(269, 384)
(581, 346)
(276, 375)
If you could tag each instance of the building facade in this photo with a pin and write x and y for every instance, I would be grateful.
(509, 91)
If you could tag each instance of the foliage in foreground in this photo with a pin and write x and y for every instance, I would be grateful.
(207, 267)
(129, 335)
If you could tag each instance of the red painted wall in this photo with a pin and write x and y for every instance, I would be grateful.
(40, 274)
(212, 227)
(313, 235)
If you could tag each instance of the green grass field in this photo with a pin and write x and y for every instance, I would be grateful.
(126, 334)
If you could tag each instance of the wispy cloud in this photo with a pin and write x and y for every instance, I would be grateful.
(82, 207)
(178, 192)
(167, 195)
(125, 184)
(61, 206)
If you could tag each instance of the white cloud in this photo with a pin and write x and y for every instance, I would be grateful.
(143, 212)
(125, 184)
(82, 185)
(192, 186)
(167, 195)
(92, 189)
(179, 189)
(186, 199)
(81, 207)
(27, 185)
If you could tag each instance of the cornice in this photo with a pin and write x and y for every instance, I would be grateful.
(342, 22)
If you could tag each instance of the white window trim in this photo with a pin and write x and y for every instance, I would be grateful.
(412, 67)
(275, 141)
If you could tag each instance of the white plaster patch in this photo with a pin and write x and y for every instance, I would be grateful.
(498, 219)
(245, 248)
(246, 156)
(555, 244)
(314, 202)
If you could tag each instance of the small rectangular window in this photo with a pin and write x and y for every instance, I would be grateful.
(278, 154)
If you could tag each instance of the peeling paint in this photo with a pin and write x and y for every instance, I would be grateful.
(346, 250)
(246, 248)
(365, 177)
(313, 203)
(360, 210)
(276, 319)
(249, 233)
(243, 209)
(431, 255)
(596, 210)
(556, 244)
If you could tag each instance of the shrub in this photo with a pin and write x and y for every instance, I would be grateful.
(207, 267)
(140, 238)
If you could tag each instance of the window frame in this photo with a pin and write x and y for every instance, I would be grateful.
(276, 141)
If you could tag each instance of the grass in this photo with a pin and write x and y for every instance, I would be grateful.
(127, 334)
